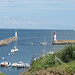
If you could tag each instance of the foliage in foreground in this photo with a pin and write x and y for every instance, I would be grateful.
(64, 69)
(42, 63)
(2, 74)
(66, 55)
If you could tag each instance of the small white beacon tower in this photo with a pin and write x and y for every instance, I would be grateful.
(16, 33)
(55, 36)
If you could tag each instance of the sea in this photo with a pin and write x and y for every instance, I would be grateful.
(25, 50)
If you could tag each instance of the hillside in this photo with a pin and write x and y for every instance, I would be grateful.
(45, 65)
(2, 74)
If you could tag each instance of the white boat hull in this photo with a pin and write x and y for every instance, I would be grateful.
(27, 65)
(5, 64)
(14, 50)
(14, 65)
(42, 43)
(20, 64)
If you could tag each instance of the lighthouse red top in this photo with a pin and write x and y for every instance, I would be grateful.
(54, 32)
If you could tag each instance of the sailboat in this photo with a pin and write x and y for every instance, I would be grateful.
(14, 49)
(44, 46)
(44, 43)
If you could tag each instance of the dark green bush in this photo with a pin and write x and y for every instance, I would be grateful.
(68, 53)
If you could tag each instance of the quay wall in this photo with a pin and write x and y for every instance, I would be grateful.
(8, 40)
(60, 42)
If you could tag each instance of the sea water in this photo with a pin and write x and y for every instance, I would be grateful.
(25, 50)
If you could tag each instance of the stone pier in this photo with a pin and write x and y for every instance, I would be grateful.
(8, 40)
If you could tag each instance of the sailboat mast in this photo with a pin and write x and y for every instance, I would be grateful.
(44, 45)
(15, 36)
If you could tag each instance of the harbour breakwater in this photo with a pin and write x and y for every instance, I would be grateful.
(59, 42)
(8, 40)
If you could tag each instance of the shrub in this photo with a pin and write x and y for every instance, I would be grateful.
(68, 53)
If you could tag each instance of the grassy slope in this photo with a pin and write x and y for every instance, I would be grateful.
(64, 69)
(40, 67)
(46, 65)
(2, 74)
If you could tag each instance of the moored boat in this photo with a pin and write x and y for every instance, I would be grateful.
(5, 64)
(14, 65)
(27, 65)
(44, 43)
(14, 49)
(20, 64)
(32, 43)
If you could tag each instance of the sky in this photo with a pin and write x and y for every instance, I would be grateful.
(37, 14)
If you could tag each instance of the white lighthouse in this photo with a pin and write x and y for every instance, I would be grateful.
(16, 33)
(55, 35)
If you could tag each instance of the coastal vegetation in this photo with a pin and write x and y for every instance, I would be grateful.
(45, 64)
(2, 74)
